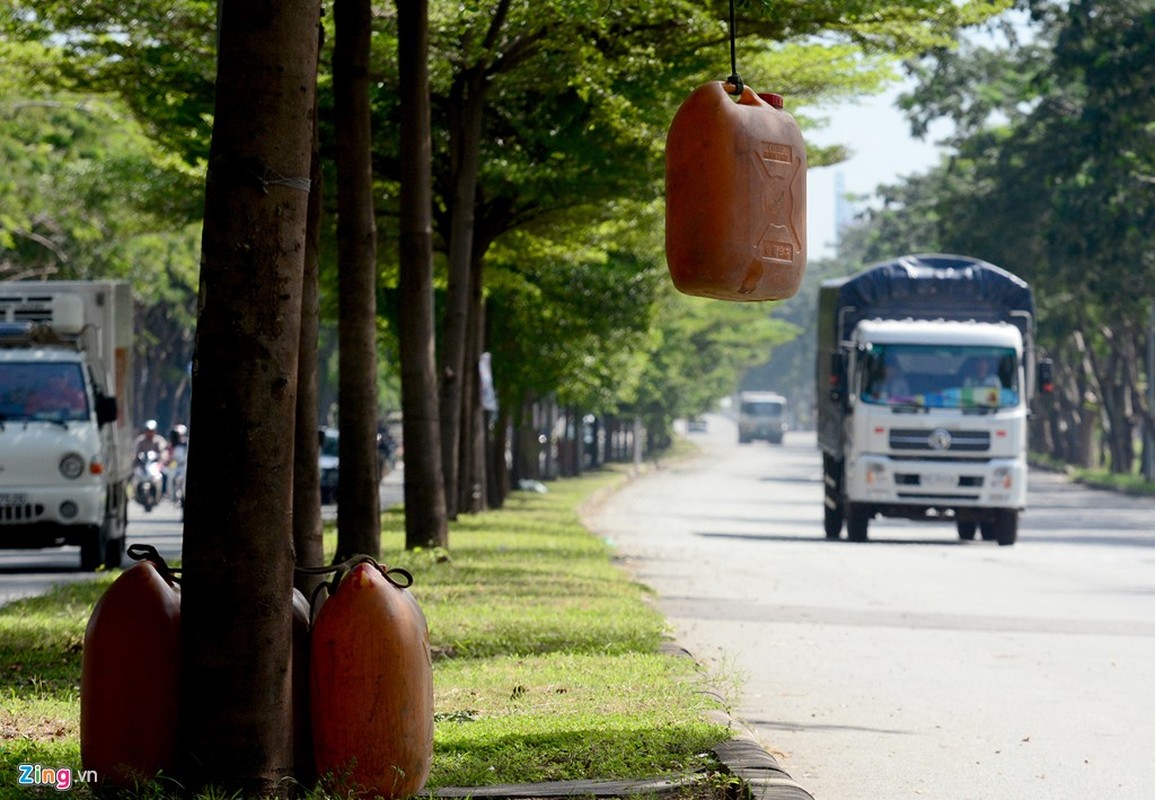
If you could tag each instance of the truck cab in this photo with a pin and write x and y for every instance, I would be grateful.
(937, 425)
(63, 460)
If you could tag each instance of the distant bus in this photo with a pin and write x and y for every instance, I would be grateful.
(761, 415)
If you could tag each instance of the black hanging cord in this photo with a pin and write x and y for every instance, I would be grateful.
(146, 552)
(399, 577)
(735, 80)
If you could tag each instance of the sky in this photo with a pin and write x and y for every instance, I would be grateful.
(882, 152)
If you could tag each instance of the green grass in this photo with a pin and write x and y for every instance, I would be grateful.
(1131, 484)
(547, 657)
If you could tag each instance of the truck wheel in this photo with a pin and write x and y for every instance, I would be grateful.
(833, 521)
(1006, 526)
(966, 529)
(988, 531)
(832, 492)
(92, 549)
(857, 521)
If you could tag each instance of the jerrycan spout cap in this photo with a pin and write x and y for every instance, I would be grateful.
(773, 99)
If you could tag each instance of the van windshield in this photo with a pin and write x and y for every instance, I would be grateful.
(939, 376)
(762, 408)
(48, 391)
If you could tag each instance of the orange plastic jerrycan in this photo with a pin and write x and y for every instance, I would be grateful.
(372, 687)
(735, 196)
(130, 679)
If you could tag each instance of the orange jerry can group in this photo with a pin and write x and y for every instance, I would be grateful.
(372, 687)
(735, 196)
(130, 679)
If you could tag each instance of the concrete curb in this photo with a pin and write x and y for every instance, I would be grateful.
(758, 771)
(742, 758)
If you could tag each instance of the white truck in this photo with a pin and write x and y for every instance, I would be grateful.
(925, 369)
(66, 436)
(762, 415)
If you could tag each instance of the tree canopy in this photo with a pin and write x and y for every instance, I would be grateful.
(577, 99)
(1051, 178)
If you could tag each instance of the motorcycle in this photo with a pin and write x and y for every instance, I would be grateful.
(147, 477)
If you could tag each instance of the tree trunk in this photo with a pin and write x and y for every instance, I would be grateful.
(358, 503)
(473, 462)
(499, 472)
(308, 542)
(426, 524)
(238, 553)
(466, 108)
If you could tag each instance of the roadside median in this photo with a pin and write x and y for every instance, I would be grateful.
(551, 666)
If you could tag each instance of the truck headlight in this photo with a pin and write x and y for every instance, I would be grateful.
(72, 466)
(1003, 478)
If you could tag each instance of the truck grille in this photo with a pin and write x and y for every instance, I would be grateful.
(22, 512)
(939, 440)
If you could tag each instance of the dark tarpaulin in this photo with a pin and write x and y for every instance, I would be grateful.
(933, 287)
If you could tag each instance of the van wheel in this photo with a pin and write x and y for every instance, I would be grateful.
(92, 549)
(114, 552)
(966, 529)
(857, 521)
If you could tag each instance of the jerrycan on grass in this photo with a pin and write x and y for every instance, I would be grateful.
(371, 677)
(735, 196)
(130, 677)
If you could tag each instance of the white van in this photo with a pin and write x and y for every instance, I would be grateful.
(762, 415)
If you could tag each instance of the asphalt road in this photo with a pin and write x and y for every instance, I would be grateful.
(30, 572)
(913, 665)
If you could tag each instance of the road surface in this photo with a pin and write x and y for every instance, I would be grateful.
(913, 665)
(30, 572)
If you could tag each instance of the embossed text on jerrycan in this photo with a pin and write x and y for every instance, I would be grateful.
(735, 196)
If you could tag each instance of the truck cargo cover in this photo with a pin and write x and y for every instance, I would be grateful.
(933, 287)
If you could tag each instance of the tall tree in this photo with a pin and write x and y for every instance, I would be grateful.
(358, 502)
(426, 522)
(238, 554)
(466, 118)
(308, 533)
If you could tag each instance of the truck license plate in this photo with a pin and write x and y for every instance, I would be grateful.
(13, 499)
(940, 480)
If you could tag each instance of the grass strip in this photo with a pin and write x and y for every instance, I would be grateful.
(547, 662)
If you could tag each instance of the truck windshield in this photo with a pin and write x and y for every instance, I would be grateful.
(47, 391)
(939, 376)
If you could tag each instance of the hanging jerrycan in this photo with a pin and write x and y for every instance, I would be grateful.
(130, 676)
(371, 674)
(735, 196)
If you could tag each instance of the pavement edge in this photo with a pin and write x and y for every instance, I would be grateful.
(761, 775)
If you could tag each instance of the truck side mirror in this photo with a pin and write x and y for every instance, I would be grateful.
(1046, 376)
(837, 386)
(106, 409)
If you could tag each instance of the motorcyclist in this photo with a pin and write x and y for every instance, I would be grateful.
(150, 441)
(177, 459)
